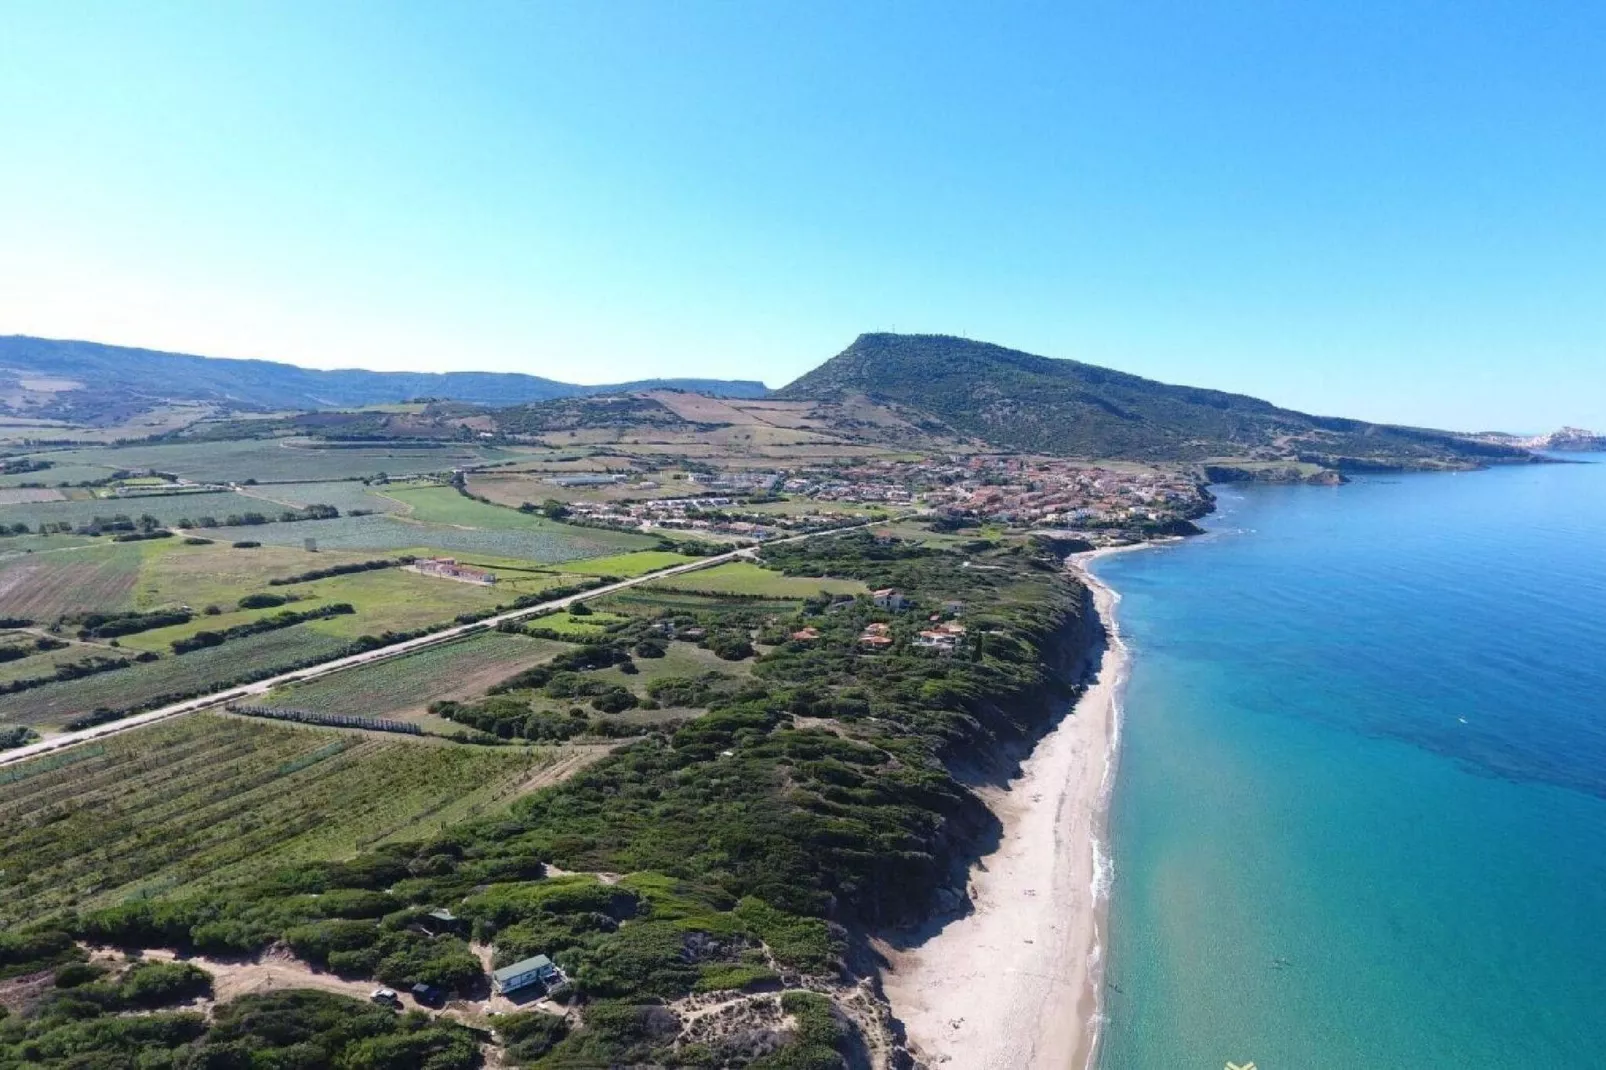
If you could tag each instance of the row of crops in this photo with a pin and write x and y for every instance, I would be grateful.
(209, 799)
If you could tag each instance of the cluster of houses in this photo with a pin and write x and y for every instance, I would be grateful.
(684, 514)
(1014, 490)
(448, 568)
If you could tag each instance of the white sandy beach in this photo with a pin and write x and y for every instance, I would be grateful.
(1015, 984)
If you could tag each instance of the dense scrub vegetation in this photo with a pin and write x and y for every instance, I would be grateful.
(85, 1021)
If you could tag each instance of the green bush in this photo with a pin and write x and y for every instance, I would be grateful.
(529, 1035)
(161, 984)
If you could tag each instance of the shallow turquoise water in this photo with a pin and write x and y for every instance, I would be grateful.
(1360, 819)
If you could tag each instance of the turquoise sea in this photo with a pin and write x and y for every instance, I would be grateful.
(1360, 817)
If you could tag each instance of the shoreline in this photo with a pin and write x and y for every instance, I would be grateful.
(1017, 984)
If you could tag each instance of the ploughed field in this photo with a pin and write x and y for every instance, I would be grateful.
(211, 798)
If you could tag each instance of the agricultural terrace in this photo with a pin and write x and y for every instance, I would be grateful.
(274, 460)
(211, 799)
(403, 687)
(746, 578)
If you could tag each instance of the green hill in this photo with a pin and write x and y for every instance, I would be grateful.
(1019, 401)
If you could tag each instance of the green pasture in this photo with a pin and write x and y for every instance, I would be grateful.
(746, 578)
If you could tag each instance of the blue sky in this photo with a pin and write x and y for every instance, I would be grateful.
(1388, 210)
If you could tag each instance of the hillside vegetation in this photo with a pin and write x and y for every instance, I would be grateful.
(1016, 400)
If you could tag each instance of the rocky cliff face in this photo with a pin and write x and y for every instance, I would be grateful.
(1272, 473)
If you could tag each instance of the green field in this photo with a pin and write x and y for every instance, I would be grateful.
(26, 544)
(344, 494)
(166, 508)
(41, 663)
(402, 687)
(579, 629)
(641, 602)
(57, 703)
(546, 543)
(626, 566)
(746, 578)
(270, 460)
(208, 799)
(57, 473)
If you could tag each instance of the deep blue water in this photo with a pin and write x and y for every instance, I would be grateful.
(1360, 819)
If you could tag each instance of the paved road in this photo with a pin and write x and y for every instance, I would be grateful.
(262, 687)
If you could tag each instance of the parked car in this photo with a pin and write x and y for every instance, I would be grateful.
(428, 995)
(385, 997)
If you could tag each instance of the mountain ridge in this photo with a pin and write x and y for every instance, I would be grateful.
(112, 380)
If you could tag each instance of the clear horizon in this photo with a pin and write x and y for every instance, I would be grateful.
(1388, 212)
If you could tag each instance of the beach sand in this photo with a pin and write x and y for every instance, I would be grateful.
(1015, 984)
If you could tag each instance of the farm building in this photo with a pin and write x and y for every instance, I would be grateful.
(448, 568)
(525, 973)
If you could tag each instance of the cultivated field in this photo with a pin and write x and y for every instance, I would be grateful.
(57, 474)
(745, 578)
(208, 799)
(443, 505)
(28, 495)
(403, 687)
(626, 566)
(42, 586)
(166, 508)
(57, 703)
(578, 629)
(278, 459)
(344, 494)
(546, 543)
(640, 602)
(41, 663)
